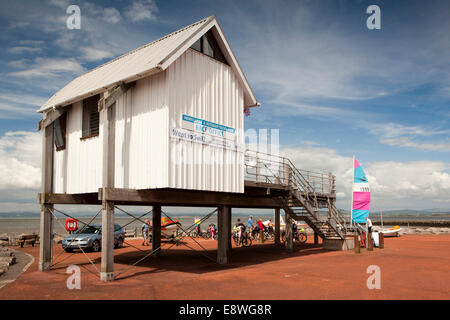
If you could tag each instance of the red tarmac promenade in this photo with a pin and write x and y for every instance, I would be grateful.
(412, 267)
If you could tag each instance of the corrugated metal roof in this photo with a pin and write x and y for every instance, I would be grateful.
(146, 60)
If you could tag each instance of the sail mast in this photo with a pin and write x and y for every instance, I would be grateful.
(353, 181)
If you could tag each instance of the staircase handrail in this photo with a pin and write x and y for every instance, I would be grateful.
(296, 177)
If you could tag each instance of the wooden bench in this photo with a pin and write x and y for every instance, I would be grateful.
(28, 239)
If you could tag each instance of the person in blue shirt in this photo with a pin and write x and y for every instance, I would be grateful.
(250, 225)
(145, 231)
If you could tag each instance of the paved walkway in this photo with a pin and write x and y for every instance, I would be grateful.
(412, 267)
(23, 262)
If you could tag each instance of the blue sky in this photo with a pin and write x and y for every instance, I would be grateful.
(333, 87)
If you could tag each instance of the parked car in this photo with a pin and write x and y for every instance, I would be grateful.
(90, 237)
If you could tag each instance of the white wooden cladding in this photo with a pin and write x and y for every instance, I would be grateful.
(146, 156)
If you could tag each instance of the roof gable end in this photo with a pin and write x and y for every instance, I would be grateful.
(149, 59)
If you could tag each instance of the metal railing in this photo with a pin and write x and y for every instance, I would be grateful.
(334, 216)
(273, 169)
(268, 168)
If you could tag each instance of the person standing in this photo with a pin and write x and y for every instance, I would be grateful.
(369, 224)
(270, 226)
(145, 231)
(212, 230)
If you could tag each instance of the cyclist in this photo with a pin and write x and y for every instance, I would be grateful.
(294, 229)
(250, 224)
(197, 226)
(260, 225)
(240, 227)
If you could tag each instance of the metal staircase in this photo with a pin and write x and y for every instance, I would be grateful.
(308, 192)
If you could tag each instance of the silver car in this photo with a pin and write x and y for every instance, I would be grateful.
(90, 237)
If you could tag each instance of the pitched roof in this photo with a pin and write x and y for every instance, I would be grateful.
(151, 58)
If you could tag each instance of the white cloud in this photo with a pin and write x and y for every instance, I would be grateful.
(63, 4)
(398, 135)
(111, 15)
(49, 67)
(20, 159)
(19, 104)
(23, 98)
(33, 43)
(315, 55)
(94, 54)
(310, 143)
(395, 185)
(23, 49)
(142, 10)
(443, 146)
(11, 111)
(392, 130)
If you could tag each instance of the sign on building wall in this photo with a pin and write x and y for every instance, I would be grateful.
(206, 132)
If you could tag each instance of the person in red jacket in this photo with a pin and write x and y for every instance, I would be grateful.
(260, 224)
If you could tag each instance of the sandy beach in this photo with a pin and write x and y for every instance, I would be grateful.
(412, 267)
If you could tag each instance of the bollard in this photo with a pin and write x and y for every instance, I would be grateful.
(357, 244)
(369, 244)
(381, 240)
(261, 236)
(316, 238)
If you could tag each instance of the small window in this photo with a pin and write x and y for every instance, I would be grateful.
(91, 119)
(60, 132)
(197, 45)
(209, 46)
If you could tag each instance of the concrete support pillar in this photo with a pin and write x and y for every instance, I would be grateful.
(107, 245)
(289, 244)
(46, 223)
(277, 226)
(316, 238)
(224, 227)
(156, 231)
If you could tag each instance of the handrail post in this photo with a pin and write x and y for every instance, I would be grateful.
(331, 183)
(322, 183)
(257, 166)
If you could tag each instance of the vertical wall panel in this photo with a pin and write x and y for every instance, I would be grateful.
(206, 89)
(146, 156)
(78, 168)
(142, 137)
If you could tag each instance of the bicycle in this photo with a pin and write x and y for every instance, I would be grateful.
(269, 235)
(246, 241)
(207, 235)
(299, 236)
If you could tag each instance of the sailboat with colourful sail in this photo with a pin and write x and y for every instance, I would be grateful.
(361, 202)
(360, 194)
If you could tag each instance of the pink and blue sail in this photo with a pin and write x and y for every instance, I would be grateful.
(361, 194)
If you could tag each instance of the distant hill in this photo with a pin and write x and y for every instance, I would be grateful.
(399, 212)
(406, 212)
